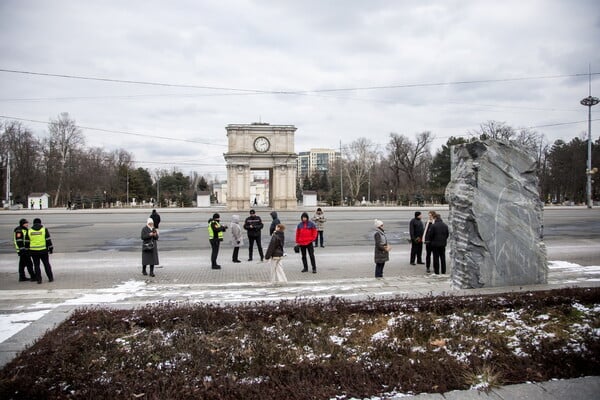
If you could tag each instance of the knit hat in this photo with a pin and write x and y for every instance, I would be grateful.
(377, 223)
(216, 216)
(37, 221)
(252, 212)
(417, 213)
(149, 221)
(23, 221)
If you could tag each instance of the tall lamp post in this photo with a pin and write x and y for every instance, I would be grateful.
(589, 102)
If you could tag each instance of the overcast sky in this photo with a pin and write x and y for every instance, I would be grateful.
(399, 66)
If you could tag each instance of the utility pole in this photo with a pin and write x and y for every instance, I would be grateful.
(341, 177)
(8, 180)
(589, 102)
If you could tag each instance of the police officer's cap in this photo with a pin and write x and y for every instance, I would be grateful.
(216, 216)
(23, 221)
(37, 221)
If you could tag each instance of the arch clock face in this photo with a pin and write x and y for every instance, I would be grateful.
(261, 144)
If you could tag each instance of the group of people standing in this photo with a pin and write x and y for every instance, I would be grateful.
(33, 245)
(434, 234)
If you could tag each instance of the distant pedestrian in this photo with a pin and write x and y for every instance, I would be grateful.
(31, 204)
(40, 246)
(149, 237)
(236, 238)
(253, 225)
(21, 240)
(276, 253)
(40, 204)
(415, 227)
(274, 222)
(428, 249)
(438, 237)
(69, 205)
(156, 218)
(382, 248)
(215, 237)
(319, 220)
(306, 233)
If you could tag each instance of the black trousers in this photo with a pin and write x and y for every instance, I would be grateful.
(428, 251)
(214, 245)
(379, 270)
(42, 256)
(439, 259)
(319, 237)
(25, 262)
(236, 251)
(251, 241)
(311, 254)
(415, 252)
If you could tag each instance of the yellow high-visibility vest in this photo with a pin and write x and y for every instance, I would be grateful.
(211, 232)
(37, 239)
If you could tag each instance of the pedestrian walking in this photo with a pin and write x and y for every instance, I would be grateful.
(149, 237)
(274, 222)
(21, 241)
(40, 246)
(428, 249)
(319, 220)
(276, 253)
(415, 227)
(236, 238)
(253, 226)
(438, 237)
(156, 218)
(40, 204)
(306, 233)
(382, 248)
(31, 204)
(215, 237)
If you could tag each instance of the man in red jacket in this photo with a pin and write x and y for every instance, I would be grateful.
(306, 233)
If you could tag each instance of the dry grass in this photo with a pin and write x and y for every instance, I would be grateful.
(312, 349)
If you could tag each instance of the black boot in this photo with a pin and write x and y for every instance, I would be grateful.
(152, 270)
(144, 270)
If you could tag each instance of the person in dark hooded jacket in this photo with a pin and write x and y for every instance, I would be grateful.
(306, 233)
(274, 223)
(275, 251)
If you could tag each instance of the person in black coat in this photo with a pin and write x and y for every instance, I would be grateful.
(274, 223)
(149, 236)
(253, 225)
(416, 229)
(437, 236)
(156, 218)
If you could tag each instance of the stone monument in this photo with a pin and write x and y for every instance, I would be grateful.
(496, 217)
(264, 147)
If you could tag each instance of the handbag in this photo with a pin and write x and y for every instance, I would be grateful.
(296, 249)
(148, 246)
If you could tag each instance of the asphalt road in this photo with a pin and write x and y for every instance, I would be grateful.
(571, 233)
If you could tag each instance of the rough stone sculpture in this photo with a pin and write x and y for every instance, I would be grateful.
(496, 217)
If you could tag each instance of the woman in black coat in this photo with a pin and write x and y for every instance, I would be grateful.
(149, 239)
(437, 236)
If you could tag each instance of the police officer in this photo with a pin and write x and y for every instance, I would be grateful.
(215, 237)
(21, 240)
(40, 246)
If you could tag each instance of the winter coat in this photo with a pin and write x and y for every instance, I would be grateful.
(35, 230)
(306, 232)
(253, 225)
(381, 253)
(149, 257)
(319, 220)
(276, 245)
(416, 229)
(236, 232)
(438, 233)
(274, 223)
(156, 218)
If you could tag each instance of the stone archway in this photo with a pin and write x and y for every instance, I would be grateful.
(261, 146)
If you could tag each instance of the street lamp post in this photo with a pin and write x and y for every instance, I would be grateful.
(589, 102)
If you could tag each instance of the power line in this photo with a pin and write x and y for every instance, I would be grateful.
(119, 132)
(297, 92)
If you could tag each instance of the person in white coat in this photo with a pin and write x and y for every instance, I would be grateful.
(236, 237)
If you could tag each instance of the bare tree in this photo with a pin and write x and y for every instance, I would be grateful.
(494, 130)
(65, 137)
(409, 161)
(360, 156)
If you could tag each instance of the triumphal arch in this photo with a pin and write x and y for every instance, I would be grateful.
(261, 146)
